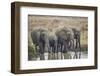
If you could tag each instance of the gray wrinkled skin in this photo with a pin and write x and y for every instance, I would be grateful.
(63, 40)
(40, 38)
(77, 41)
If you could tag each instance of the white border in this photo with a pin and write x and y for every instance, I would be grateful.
(25, 64)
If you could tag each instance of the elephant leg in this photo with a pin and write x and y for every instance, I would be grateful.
(76, 51)
(58, 51)
(66, 55)
(71, 48)
(42, 57)
(75, 55)
(49, 56)
(36, 52)
(54, 53)
(61, 52)
(49, 53)
(79, 50)
(41, 51)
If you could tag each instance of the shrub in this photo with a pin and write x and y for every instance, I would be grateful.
(31, 52)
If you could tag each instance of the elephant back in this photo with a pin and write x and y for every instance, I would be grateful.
(65, 33)
(35, 34)
(43, 35)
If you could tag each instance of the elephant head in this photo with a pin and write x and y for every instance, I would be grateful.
(65, 38)
(76, 33)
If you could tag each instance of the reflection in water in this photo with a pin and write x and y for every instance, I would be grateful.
(69, 55)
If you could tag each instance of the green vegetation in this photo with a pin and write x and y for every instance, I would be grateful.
(84, 49)
(31, 52)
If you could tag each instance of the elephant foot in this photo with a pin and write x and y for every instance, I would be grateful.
(79, 55)
(42, 57)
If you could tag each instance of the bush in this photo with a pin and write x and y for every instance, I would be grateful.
(31, 52)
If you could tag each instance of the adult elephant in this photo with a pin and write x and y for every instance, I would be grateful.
(65, 40)
(77, 42)
(40, 40)
(53, 46)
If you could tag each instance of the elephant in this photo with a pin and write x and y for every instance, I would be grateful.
(40, 40)
(65, 40)
(53, 46)
(77, 41)
(77, 37)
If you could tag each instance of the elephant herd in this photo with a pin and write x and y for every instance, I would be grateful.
(61, 41)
